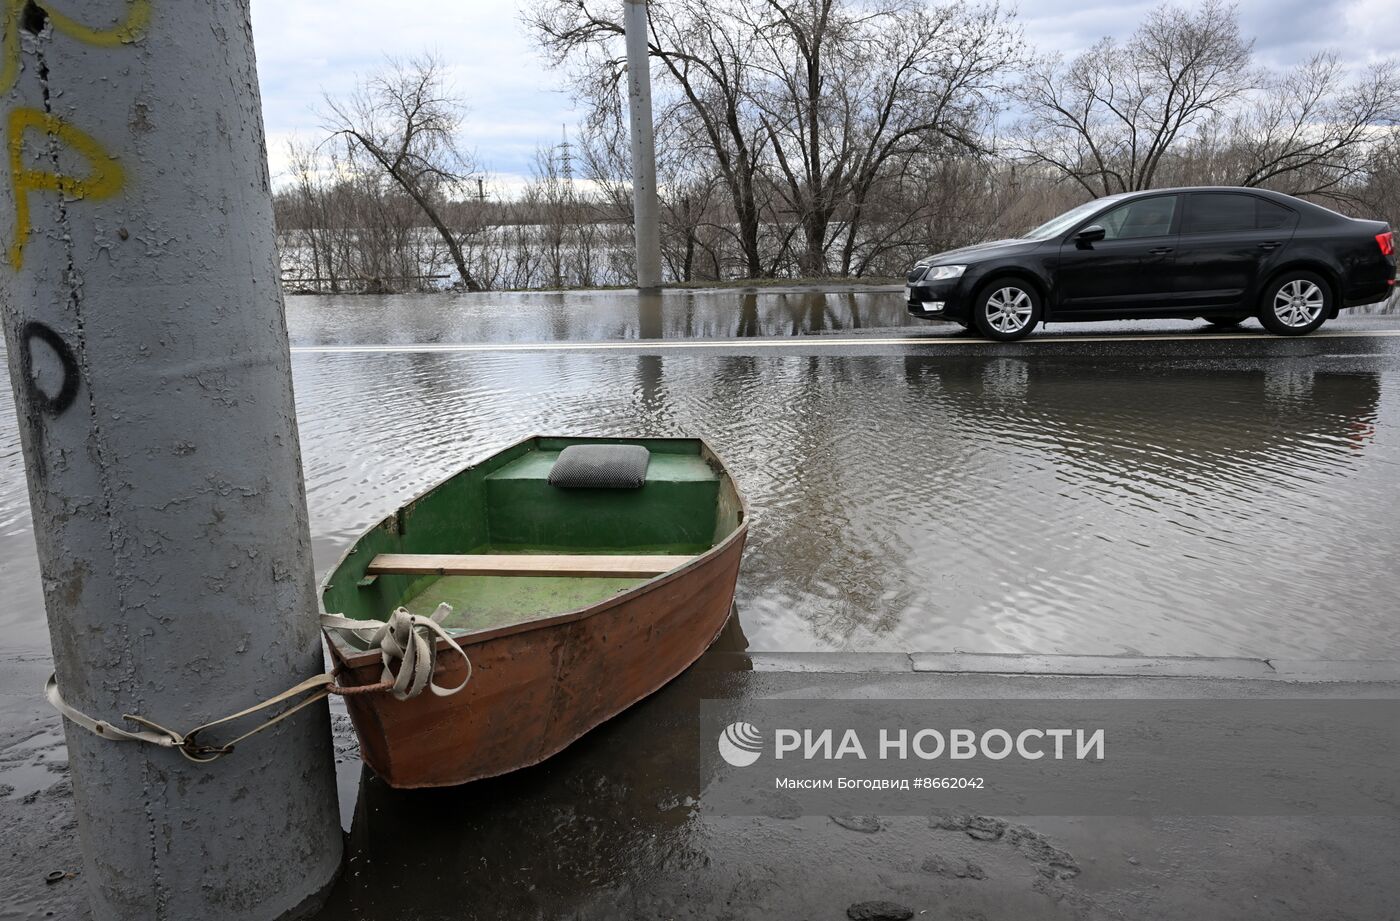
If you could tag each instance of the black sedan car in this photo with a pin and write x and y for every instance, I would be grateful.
(1221, 254)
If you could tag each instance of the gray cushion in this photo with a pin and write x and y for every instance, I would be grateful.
(600, 467)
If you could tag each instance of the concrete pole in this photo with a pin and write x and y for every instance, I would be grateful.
(646, 213)
(148, 354)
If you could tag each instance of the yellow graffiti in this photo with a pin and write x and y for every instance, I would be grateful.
(104, 180)
(138, 16)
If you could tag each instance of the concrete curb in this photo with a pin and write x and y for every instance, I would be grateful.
(1289, 670)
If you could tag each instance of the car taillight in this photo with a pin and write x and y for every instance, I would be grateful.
(1386, 241)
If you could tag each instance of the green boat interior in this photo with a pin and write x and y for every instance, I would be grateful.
(502, 546)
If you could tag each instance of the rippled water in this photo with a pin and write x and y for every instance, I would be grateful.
(935, 503)
(1055, 504)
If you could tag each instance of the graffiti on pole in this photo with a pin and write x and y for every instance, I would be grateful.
(105, 175)
(19, 13)
(104, 178)
(59, 399)
(51, 136)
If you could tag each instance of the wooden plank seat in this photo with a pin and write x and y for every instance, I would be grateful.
(640, 566)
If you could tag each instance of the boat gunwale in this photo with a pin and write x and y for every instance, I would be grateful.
(350, 657)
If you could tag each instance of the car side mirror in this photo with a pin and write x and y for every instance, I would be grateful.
(1091, 234)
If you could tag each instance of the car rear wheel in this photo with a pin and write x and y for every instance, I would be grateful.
(1295, 303)
(1006, 309)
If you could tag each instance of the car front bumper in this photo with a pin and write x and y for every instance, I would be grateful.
(937, 300)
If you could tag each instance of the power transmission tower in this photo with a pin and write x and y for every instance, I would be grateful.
(566, 156)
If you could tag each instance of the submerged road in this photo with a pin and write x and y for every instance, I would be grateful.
(1110, 489)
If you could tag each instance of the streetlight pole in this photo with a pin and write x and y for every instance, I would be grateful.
(148, 355)
(645, 211)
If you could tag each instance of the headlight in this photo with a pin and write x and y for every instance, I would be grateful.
(940, 272)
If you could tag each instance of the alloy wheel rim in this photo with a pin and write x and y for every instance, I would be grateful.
(1298, 303)
(1009, 310)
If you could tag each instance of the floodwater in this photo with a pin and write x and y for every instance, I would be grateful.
(1177, 499)
(592, 316)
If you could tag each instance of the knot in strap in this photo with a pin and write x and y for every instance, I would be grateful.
(407, 646)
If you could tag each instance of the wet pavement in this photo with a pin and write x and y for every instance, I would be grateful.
(1153, 489)
(615, 827)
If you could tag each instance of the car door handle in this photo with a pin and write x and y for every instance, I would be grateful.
(1269, 247)
(1159, 251)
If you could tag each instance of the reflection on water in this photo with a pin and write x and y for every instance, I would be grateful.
(937, 502)
(591, 316)
(1166, 508)
(613, 814)
(565, 838)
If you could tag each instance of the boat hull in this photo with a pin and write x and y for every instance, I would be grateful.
(538, 687)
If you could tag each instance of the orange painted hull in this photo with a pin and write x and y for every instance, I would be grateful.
(537, 687)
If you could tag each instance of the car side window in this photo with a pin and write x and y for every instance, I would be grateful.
(1145, 217)
(1223, 212)
(1272, 216)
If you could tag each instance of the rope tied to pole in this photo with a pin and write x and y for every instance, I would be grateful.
(406, 640)
(316, 688)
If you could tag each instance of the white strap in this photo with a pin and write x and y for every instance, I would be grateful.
(103, 728)
(408, 641)
(407, 647)
(311, 690)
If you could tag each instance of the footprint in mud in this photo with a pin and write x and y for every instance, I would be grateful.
(867, 824)
(1050, 861)
(951, 868)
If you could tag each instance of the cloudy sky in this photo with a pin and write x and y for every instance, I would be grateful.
(310, 47)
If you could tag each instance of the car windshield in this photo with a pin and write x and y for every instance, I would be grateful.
(1059, 225)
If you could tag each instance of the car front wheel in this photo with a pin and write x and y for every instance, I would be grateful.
(1295, 304)
(1006, 309)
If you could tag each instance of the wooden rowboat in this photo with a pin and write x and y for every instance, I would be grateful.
(572, 604)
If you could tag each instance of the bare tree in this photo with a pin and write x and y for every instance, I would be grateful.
(855, 92)
(702, 87)
(307, 228)
(1310, 132)
(1108, 120)
(817, 137)
(343, 225)
(406, 120)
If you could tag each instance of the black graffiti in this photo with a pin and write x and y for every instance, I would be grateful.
(52, 403)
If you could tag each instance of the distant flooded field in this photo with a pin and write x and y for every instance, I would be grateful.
(590, 316)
